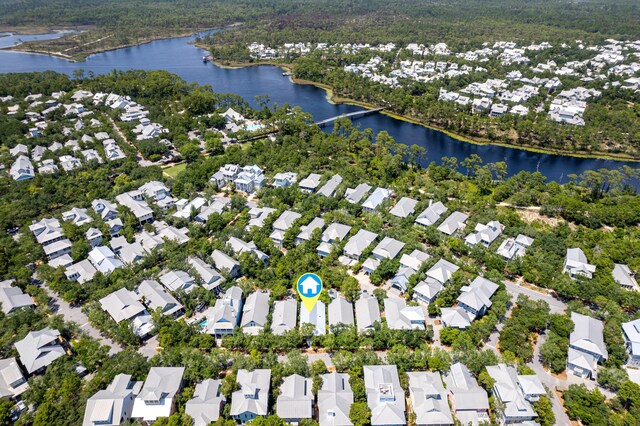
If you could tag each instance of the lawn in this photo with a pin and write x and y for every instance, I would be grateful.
(174, 170)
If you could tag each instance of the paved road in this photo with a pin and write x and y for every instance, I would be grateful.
(551, 382)
(75, 314)
(149, 348)
(555, 305)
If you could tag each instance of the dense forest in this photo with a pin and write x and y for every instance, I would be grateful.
(458, 22)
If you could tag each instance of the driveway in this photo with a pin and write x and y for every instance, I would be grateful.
(75, 314)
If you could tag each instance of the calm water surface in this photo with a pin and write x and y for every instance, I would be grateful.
(185, 60)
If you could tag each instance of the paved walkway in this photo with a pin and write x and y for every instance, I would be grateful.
(75, 314)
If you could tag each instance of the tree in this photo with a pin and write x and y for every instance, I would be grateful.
(190, 152)
(5, 412)
(544, 409)
(587, 406)
(91, 353)
(612, 378)
(360, 414)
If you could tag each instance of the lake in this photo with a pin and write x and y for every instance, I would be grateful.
(178, 56)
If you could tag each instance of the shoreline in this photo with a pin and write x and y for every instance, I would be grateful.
(333, 99)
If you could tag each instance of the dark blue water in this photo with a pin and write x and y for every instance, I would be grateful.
(177, 56)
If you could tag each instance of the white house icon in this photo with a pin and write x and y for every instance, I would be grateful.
(309, 287)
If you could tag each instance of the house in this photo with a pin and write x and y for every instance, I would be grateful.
(409, 266)
(255, 312)
(257, 216)
(18, 150)
(586, 346)
(469, 401)
(178, 280)
(69, 163)
(377, 197)
(385, 396)
(370, 265)
(48, 167)
(429, 399)
(334, 400)
(226, 313)
(252, 399)
(94, 236)
(631, 334)
(485, 234)
(404, 208)
(431, 214)
(334, 233)
(227, 173)
(307, 230)
(157, 396)
(105, 209)
(191, 208)
(104, 260)
(340, 312)
(284, 317)
(206, 404)
(39, 349)
(317, 317)
(81, 272)
(624, 276)
(295, 401)
(310, 183)
(329, 189)
(282, 180)
(155, 190)
(358, 243)
(135, 202)
(388, 248)
(12, 381)
(57, 249)
(22, 169)
(223, 262)
(123, 305)
(209, 277)
(514, 248)
(77, 216)
(91, 155)
(171, 233)
(453, 223)
(155, 297)
(282, 224)
(399, 316)
(63, 261)
(437, 276)
(239, 246)
(509, 389)
(113, 405)
(575, 264)
(367, 312)
(47, 231)
(355, 195)
(476, 298)
(250, 179)
(217, 205)
(115, 226)
(12, 298)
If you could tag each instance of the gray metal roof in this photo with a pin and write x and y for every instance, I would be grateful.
(454, 222)
(388, 248)
(431, 214)
(329, 188)
(286, 220)
(385, 396)
(296, 398)
(356, 194)
(587, 335)
(335, 232)
(204, 408)
(359, 242)
(122, 305)
(156, 297)
(429, 399)
(39, 349)
(12, 381)
(13, 298)
(112, 405)
(334, 400)
(255, 312)
(404, 208)
(377, 197)
(340, 312)
(253, 395)
(285, 316)
(367, 312)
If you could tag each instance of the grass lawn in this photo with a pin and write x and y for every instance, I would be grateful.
(174, 170)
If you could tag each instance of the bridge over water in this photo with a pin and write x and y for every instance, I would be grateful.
(350, 115)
